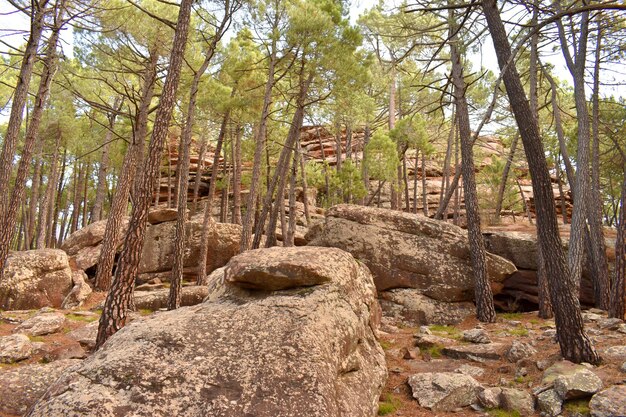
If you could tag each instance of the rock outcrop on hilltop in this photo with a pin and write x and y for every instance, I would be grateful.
(408, 251)
(308, 349)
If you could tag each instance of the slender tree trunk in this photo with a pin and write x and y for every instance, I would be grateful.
(42, 228)
(119, 205)
(237, 175)
(561, 193)
(425, 207)
(8, 214)
(34, 195)
(119, 298)
(485, 309)
(58, 199)
(20, 95)
(618, 289)
(246, 234)
(207, 219)
(417, 153)
(199, 172)
(366, 175)
(601, 280)
(98, 206)
(445, 178)
(305, 187)
(278, 181)
(225, 189)
(85, 190)
(395, 188)
(505, 178)
(574, 343)
(288, 240)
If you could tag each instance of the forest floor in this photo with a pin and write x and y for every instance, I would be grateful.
(396, 340)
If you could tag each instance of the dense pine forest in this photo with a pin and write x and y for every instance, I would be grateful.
(220, 127)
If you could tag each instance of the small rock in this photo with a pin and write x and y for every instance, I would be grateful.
(489, 397)
(521, 372)
(410, 354)
(85, 335)
(517, 400)
(476, 336)
(424, 330)
(589, 317)
(616, 352)
(623, 367)
(445, 391)
(42, 324)
(15, 348)
(520, 350)
(544, 364)
(559, 368)
(609, 403)
(550, 403)
(610, 323)
(477, 353)
(621, 328)
(583, 383)
(470, 370)
(428, 340)
(389, 328)
(79, 293)
(70, 351)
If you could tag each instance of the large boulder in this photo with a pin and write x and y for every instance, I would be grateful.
(158, 251)
(34, 279)
(300, 351)
(90, 235)
(444, 391)
(406, 250)
(609, 403)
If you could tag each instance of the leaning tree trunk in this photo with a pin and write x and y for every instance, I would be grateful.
(236, 161)
(485, 309)
(119, 205)
(574, 343)
(119, 298)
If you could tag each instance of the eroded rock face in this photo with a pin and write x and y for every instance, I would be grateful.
(407, 251)
(445, 391)
(158, 250)
(34, 279)
(408, 305)
(14, 348)
(302, 351)
(610, 402)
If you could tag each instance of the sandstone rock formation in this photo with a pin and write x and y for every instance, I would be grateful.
(301, 351)
(408, 251)
(35, 279)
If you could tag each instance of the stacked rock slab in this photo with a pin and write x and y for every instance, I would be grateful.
(306, 349)
(406, 250)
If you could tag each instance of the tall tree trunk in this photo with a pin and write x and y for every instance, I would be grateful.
(34, 195)
(119, 298)
(505, 178)
(47, 203)
(485, 310)
(395, 188)
(8, 214)
(98, 205)
(182, 169)
(20, 95)
(574, 343)
(366, 176)
(199, 172)
(119, 205)
(207, 219)
(417, 154)
(289, 239)
(424, 190)
(618, 289)
(85, 190)
(58, 199)
(248, 221)
(601, 280)
(305, 187)
(236, 158)
(225, 189)
(280, 175)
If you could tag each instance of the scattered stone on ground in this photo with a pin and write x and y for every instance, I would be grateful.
(609, 403)
(42, 324)
(15, 348)
(444, 391)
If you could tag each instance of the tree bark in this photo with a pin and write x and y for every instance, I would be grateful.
(119, 205)
(505, 178)
(237, 175)
(198, 179)
(574, 343)
(485, 310)
(618, 293)
(113, 315)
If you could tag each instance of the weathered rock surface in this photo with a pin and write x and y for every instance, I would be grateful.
(21, 386)
(550, 403)
(14, 348)
(476, 336)
(445, 391)
(158, 251)
(90, 235)
(85, 335)
(580, 384)
(517, 400)
(405, 250)
(42, 324)
(616, 352)
(477, 353)
(410, 306)
(79, 293)
(520, 350)
(609, 403)
(519, 248)
(304, 351)
(35, 279)
(162, 215)
(154, 300)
